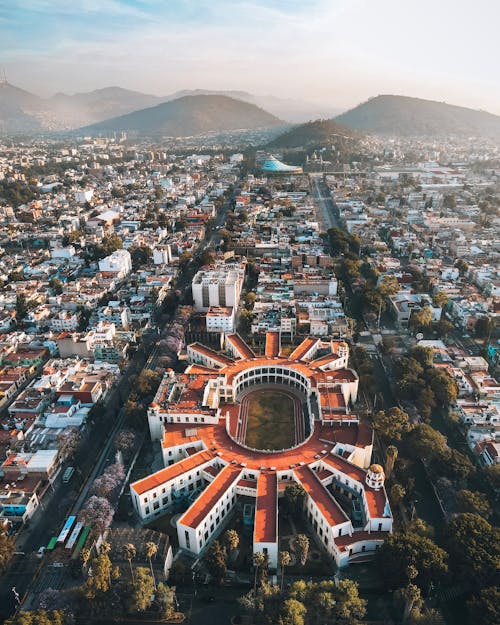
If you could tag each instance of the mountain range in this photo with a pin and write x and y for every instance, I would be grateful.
(22, 111)
(190, 115)
(404, 116)
(200, 111)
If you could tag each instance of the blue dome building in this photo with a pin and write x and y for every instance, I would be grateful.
(273, 166)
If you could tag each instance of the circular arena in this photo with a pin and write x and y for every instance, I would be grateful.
(238, 425)
(271, 418)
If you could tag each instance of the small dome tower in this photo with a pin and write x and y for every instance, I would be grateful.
(375, 477)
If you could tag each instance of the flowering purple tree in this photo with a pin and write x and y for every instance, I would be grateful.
(98, 513)
(125, 441)
(107, 484)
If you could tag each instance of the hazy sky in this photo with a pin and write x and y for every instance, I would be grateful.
(330, 51)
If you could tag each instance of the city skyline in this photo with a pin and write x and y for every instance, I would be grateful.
(337, 53)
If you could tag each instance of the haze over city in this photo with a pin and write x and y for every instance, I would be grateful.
(249, 312)
(335, 52)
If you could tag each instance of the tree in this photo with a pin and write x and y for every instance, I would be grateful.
(40, 617)
(349, 608)
(284, 559)
(443, 386)
(462, 266)
(99, 580)
(470, 501)
(401, 549)
(129, 553)
(258, 561)
(293, 499)
(216, 561)
(420, 320)
(423, 441)
(231, 541)
(484, 609)
(392, 424)
(125, 441)
(21, 306)
(292, 613)
(184, 260)
(453, 465)
(69, 441)
(151, 550)
(439, 299)
(98, 513)
(444, 327)
(484, 327)
(107, 246)
(140, 256)
(141, 596)
(329, 601)
(391, 454)
(474, 548)
(147, 383)
(388, 286)
(165, 597)
(7, 548)
(425, 402)
(397, 493)
(411, 595)
(301, 545)
(56, 285)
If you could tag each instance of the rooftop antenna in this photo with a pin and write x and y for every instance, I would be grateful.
(3, 76)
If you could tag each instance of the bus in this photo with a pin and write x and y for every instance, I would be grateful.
(74, 536)
(66, 529)
(81, 542)
(68, 474)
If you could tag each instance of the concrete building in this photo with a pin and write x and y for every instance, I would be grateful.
(118, 263)
(220, 286)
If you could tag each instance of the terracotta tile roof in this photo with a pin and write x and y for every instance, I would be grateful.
(344, 543)
(200, 509)
(328, 507)
(376, 500)
(210, 353)
(171, 472)
(300, 351)
(272, 344)
(324, 360)
(266, 509)
(240, 346)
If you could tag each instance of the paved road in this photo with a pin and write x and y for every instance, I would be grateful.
(324, 202)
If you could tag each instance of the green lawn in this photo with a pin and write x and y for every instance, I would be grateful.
(270, 421)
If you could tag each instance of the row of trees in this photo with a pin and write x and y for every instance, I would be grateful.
(306, 603)
(99, 508)
(134, 594)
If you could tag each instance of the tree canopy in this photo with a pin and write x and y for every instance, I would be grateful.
(402, 550)
(474, 548)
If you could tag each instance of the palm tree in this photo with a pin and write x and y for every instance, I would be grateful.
(284, 559)
(301, 544)
(411, 595)
(151, 551)
(259, 560)
(129, 552)
(232, 540)
(391, 457)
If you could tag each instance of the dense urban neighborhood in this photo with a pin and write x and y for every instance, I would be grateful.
(250, 382)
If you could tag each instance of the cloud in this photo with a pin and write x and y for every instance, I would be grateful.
(340, 50)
